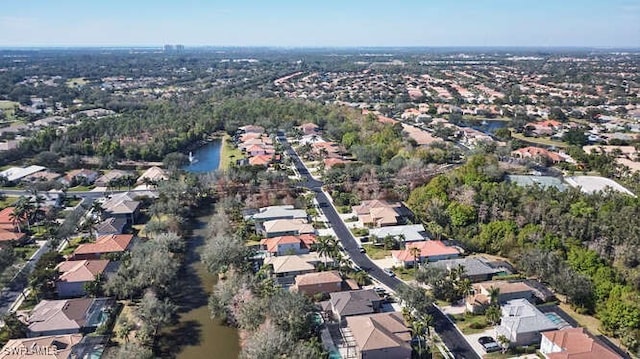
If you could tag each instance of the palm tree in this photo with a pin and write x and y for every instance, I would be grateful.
(494, 294)
(361, 277)
(17, 216)
(415, 252)
(325, 247)
(403, 240)
(504, 342)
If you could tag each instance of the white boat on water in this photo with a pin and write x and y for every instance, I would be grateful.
(191, 158)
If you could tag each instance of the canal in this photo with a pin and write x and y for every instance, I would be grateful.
(197, 335)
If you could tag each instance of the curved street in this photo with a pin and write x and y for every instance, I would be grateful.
(454, 341)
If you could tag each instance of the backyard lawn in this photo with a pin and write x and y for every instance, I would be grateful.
(229, 153)
(469, 323)
(376, 252)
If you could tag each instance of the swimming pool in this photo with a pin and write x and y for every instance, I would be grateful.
(557, 320)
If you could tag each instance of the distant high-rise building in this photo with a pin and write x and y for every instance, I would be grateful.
(179, 48)
(168, 48)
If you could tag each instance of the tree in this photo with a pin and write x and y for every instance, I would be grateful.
(415, 253)
(130, 351)
(493, 314)
(415, 298)
(155, 313)
(504, 342)
(222, 252)
(494, 294)
(13, 328)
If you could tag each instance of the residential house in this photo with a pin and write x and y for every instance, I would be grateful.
(111, 225)
(481, 298)
(380, 336)
(16, 174)
(354, 302)
(537, 154)
(286, 245)
(430, 251)
(44, 176)
(113, 243)
(123, 206)
(286, 227)
(261, 160)
(65, 347)
(6, 219)
(286, 268)
(67, 316)
(51, 199)
(475, 269)
(574, 343)
(317, 283)
(11, 236)
(406, 233)
(153, 174)
(309, 128)
(74, 275)
(276, 212)
(251, 129)
(112, 176)
(521, 323)
(82, 176)
(380, 213)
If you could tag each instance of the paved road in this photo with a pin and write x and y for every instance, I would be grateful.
(11, 293)
(450, 336)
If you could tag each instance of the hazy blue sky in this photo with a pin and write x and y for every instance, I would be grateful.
(321, 22)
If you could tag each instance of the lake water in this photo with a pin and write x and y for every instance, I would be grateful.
(206, 158)
(489, 126)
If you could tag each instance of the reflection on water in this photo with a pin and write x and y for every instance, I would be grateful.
(205, 158)
(197, 335)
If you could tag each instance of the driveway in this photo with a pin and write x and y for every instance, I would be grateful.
(472, 339)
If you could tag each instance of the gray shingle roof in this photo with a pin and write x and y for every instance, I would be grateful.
(354, 302)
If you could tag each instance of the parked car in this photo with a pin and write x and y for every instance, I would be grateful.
(389, 272)
(489, 344)
(362, 250)
(364, 239)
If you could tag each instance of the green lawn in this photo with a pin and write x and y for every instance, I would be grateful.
(26, 252)
(376, 252)
(359, 232)
(539, 140)
(7, 202)
(229, 154)
(469, 323)
(72, 202)
(8, 108)
(76, 81)
(73, 244)
(406, 274)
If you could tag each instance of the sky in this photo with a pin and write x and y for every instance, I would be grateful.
(320, 23)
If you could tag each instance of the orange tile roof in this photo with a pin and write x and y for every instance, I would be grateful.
(8, 236)
(427, 249)
(81, 271)
(577, 344)
(272, 243)
(260, 160)
(106, 244)
(318, 278)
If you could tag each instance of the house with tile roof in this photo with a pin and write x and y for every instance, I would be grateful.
(380, 213)
(154, 174)
(65, 347)
(106, 179)
(9, 230)
(122, 205)
(380, 336)
(112, 243)
(67, 316)
(507, 290)
(79, 176)
(574, 343)
(521, 322)
(475, 269)
(287, 245)
(285, 227)
(429, 251)
(537, 153)
(405, 233)
(111, 225)
(354, 302)
(316, 283)
(286, 268)
(75, 274)
(276, 212)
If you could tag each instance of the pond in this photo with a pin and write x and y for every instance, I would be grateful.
(205, 158)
